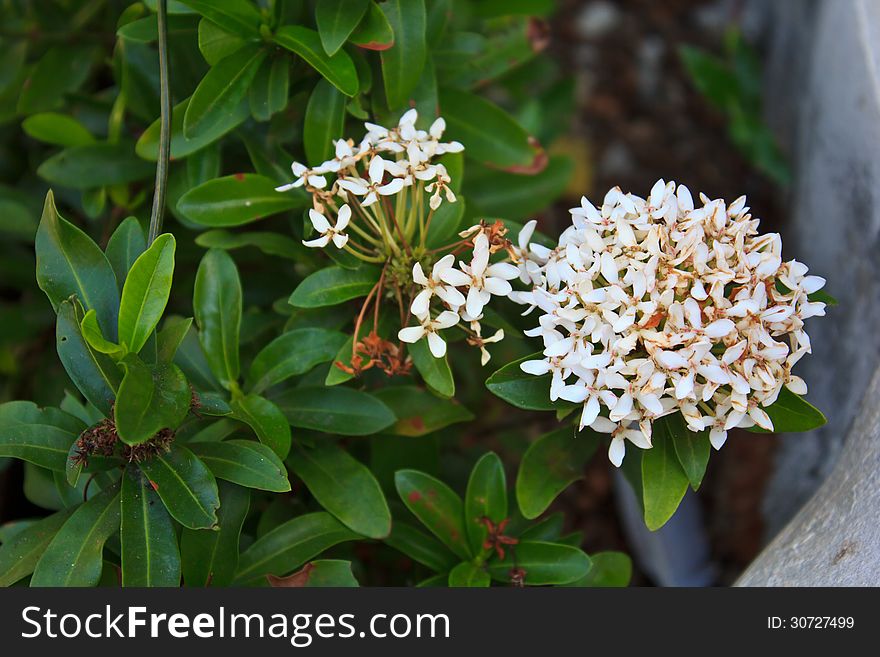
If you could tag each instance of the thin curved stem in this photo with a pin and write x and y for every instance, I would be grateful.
(164, 126)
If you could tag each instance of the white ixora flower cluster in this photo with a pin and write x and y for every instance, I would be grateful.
(651, 306)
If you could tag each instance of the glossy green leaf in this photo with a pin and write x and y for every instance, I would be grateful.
(610, 569)
(237, 16)
(150, 398)
(244, 462)
(543, 563)
(221, 91)
(150, 556)
(210, 557)
(69, 262)
(402, 64)
(339, 70)
(20, 553)
(75, 466)
(186, 486)
(269, 90)
(506, 146)
(147, 145)
(437, 506)
(274, 244)
(691, 448)
(41, 436)
(217, 304)
(337, 19)
(523, 390)
(485, 499)
(344, 487)
(435, 371)
(333, 573)
(235, 200)
(96, 376)
(215, 43)
(95, 339)
(469, 575)
(192, 360)
(420, 547)
(324, 121)
(446, 223)
(550, 465)
(513, 196)
(333, 285)
(57, 129)
(419, 412)
(95, 165)
(791, 413)
(664, 482)
(74, 557)
(291, 354)
(125, 245)
(291, 544)
(547, 529)
(267, 421)
(146, 291)
(169, 339)
(337, 410)
(374, 32)
(60, 70)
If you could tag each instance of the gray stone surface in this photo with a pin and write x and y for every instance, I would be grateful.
(823, 97)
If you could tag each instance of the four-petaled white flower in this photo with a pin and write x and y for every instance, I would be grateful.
(329, 233)
(484, 279)
(430, 327)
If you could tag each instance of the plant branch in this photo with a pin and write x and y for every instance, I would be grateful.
(165, 126)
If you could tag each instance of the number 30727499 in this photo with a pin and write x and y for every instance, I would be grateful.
(810, 622)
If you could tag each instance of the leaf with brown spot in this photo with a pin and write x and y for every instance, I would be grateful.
(320, 573)
(437, 506)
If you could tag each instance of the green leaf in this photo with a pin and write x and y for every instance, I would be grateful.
(57, 129)
(150, 556)
(664, 483)
(210, 558)
(374, 32)
(19, 554)
(791, 413)
(523, 390)
(146, 291)
(125, 245)
(169, 339)
(543, 563)
(321, 573)
(821, 296)
(420, 547)
(41, 436)
(186, 486)
(339, 70)
(692, 448)
(215, 43)
(274, 244)
(267, 421)
(69, 262)
(92, 333)
(221, 91)
(446, 223)
(402, 64)
(548, 529)
(610, 569)
(513, 196)
(147, 145)
(269, 90)
(291, 544)
(419, 412)
(217, 304)
(235, 200)
(75, 466)
(712, 77)
(291, 354)
(506, 146)
(485, 498)
(336, 19)
(435, 371)
(437, 506)
(333, 285)
(324, 121)
(74, 557)
(62, 69)
(95, 375)
(95, 165)
(244, 462)
(344, 487)
(550, 465)
(336, 410)
(467, 574)
(150, 398)
(237, 16)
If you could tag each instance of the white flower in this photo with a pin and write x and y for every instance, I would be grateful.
(372, 189)
(430, 327)
(436, 285)
(485, 279)
(304, 175)
(328, 232)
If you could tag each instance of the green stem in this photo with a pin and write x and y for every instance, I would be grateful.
(165, 126)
